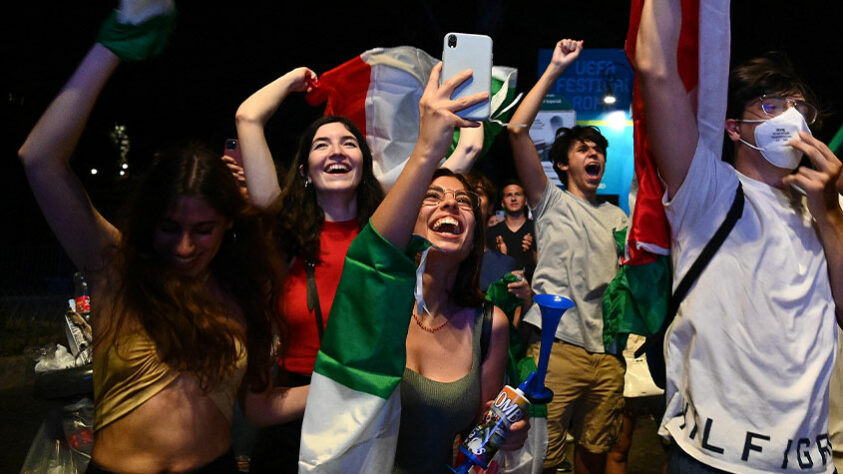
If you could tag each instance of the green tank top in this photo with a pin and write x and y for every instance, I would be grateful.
(433, 413)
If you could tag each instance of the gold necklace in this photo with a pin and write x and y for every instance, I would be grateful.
(428, 329)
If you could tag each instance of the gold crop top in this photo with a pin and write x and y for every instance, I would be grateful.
(129, 374)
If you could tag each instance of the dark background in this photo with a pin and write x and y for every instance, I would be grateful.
(222, 52)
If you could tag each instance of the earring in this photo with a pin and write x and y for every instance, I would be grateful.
(307, 183)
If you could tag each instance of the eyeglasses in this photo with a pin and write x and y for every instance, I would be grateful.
(466, 200)
(773, 105)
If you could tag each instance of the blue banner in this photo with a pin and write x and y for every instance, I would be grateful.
(582, 88)
(584, 84)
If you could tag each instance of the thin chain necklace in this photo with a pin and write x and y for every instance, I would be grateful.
(429, 329)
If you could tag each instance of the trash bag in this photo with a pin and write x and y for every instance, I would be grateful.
(64, 441)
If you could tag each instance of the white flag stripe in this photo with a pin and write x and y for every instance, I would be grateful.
(331, 436)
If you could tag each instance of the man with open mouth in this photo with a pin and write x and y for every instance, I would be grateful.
(577, 258)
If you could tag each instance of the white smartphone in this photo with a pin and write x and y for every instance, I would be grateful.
(461, 51)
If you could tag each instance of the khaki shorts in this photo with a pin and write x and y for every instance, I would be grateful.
(587, 400)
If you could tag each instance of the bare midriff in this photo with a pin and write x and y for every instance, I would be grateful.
(178, 429)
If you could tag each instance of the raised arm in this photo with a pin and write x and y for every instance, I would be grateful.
(527, 161)
(82, 231)
(468, 149)
(251, 117)
(395, 218)
(671, 121)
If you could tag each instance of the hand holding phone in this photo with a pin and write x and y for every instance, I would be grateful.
(234, 161)
(232, 149)
(461, 51)
(438, 113)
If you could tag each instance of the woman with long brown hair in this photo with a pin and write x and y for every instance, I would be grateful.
(185, 293)
(325, 197)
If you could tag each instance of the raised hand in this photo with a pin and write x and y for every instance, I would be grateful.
(527, 161)
(565, 53)
(300, 79)
(239, 176)
(437, 112)
(436, 130)
(251, 117)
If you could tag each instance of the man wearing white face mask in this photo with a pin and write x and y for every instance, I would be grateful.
(773, 134)
(751, 349)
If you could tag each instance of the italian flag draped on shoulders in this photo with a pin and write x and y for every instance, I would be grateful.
(354, 406)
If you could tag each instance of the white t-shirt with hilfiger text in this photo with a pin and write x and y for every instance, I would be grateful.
(750, 352)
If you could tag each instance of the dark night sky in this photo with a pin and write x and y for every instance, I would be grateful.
(221, 52)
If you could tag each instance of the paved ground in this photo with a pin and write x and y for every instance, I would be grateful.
(21, 415)
(647, 455)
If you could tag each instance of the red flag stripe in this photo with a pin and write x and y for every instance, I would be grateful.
(345, 88)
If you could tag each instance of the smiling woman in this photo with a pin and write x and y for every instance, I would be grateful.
(447, 379)
(178, 257)
(186, 285)
(325, 198)
(448, 219)
(335, 162)
(190, 234)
